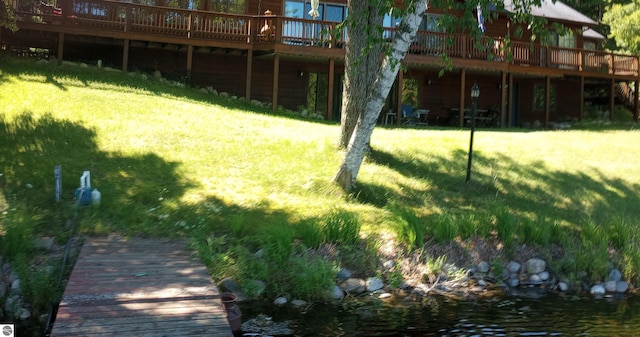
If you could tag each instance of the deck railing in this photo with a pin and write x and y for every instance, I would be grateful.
(114, 16)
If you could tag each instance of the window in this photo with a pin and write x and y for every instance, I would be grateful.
(589, 45)
(300, 10)
(294, 9)
(335, 13)
(430, 23)
(567, 40)
(539, 97)
(299, 31)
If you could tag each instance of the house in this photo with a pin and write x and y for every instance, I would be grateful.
(274, 51)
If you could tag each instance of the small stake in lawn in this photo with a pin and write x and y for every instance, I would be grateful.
(475, 92)
(58, 174)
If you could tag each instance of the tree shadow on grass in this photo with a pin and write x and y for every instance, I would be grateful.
(533, 191)
(30, 149)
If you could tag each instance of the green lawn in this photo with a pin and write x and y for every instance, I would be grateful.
(234, 178)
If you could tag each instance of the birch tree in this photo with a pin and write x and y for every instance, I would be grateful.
(366, 114)
(362, 60)
(364, 95)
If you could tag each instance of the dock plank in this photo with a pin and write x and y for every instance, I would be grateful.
(139, 287)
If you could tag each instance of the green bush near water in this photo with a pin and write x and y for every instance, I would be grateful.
(237, 179)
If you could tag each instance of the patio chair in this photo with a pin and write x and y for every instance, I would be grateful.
(409, 117)
(389, 117)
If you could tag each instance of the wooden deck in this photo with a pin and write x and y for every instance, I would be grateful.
(139, 287)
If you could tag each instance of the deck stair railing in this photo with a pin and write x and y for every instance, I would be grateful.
(624, 92)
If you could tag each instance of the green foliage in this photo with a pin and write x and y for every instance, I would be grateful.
(395, 278)
(624, 23)
(445, 229)
(622, 234)
(506, 227)
(435, 268)
(310, 233)
(341, 226)
(311, 278)
(7, 16)
(38, 285)
(410, 229)
(536, 232)
(630, 264)
(277, 241)
(18, 235)
(497, 267)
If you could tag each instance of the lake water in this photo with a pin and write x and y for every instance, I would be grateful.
(549, 315)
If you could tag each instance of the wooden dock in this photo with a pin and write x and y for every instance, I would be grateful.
(139, 287)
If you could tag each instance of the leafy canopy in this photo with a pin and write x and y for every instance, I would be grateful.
(624, 21)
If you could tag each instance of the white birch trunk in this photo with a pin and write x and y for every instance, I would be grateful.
(359, 142)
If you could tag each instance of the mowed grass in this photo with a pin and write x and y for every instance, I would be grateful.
(236, 179)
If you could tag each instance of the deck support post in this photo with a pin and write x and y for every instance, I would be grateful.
(330, 88)
(510, 113)
(399, 103)
(503, 98)
(189, 62)
(125, 55)
(636, 87)
(60, 47)
(612, 99)
(247, 85)
(547, 101)
(463, 80)
(581, 117)
(276, 71)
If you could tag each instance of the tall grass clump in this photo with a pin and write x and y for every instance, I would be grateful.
(309, 232)
(310, 277)
(506, 227)
(536, 232)
(409, 228)
(341, 227)
(38, 285)
(18, 235)
(277, 242)
(592, 253)
(445, 228)
(630, 263)
(621, 233)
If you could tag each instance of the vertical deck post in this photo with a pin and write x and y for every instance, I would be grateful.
(189, 62)
(547, 101)
(581, 117)
(636, 87)
(330, 89)
(510, 121)
(463, 79)
(247, 86)
(276, 71)
(612, 98)
(503, 98)
(399, 102)
(125, 55)
(60, 47)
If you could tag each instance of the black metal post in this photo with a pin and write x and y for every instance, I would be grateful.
(473, 129)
